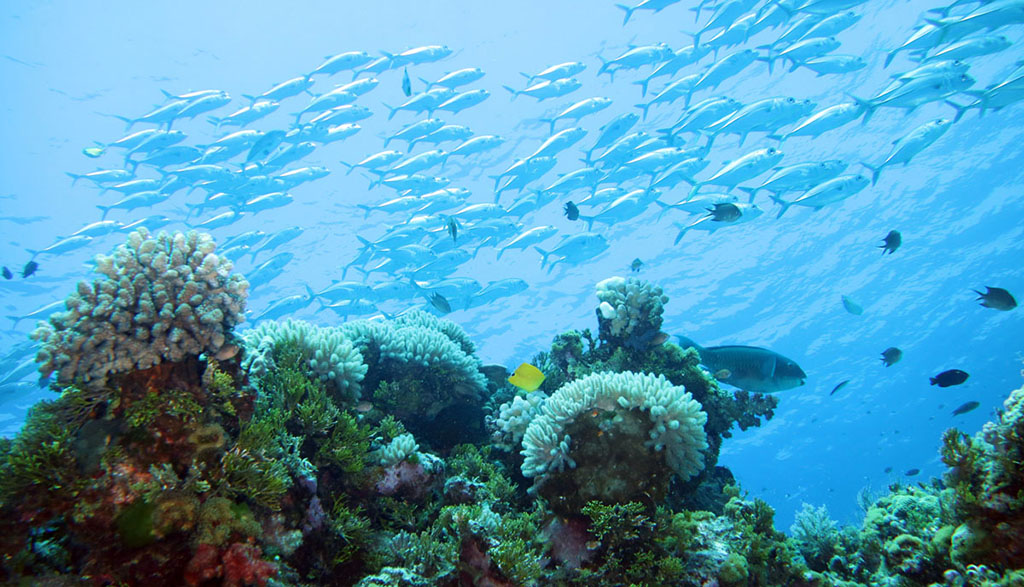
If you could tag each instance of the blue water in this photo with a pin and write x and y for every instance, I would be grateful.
(67, 66)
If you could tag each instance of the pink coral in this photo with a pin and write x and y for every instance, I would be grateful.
(570, 541)
(239, 565)
(405, 479)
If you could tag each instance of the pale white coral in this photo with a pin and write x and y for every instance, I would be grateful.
(399, 449)
(159, 299)
(329, 354)
(631, 306)
(514, 417)
(420, 340)
(676, 420)
(450, 329)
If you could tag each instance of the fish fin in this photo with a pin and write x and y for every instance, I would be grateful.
(643, 107)
(785, 205)
(544, 256)
(513, 91)
(128, 121)
(643, 87)
(961, 110)
(664, 208)
(252, 99)
(392, 111)
(629, 12)
(669, 135)
(750, 192)
(867, 105)
(682, 233)
(367, 245)
(105, 210)
(688, 343)
(875, 172)
(889, 57)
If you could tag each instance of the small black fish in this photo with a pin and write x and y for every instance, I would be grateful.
(453, 228)
(438, 301)
(891, 356)
(949, 378)
(29, 269)
(912, 472)
(7, 273)
(888, 469)
(967, 407)
(406, 84)
(636, 265)
(571, 211)
(996, 298)
(891, 242)
(838, 387)
(725, 212)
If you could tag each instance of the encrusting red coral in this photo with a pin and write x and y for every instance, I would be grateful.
(405, 479)
(240, 564)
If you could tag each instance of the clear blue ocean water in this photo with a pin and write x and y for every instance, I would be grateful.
(959, 204)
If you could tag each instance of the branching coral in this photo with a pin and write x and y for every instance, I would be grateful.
(159, 299)
(987, 473)
(615, 436)
(514, 417)
(816, 535)
(424, 373)
(630, 310)
(327, 352)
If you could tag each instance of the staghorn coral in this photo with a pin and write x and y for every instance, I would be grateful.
(160, 299)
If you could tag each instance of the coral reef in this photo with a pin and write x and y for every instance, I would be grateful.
(326, 351)
(613, 437)
(383, 453)
(987, 480)
(513, 418)
(423, 372)
(630, 311)
(160, 299)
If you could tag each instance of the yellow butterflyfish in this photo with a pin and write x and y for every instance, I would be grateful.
(527, 377)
